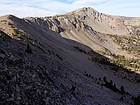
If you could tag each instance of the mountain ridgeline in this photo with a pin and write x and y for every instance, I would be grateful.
(80, 58)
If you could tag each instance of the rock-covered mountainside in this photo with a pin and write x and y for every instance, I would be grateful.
(91, 28)
(80, 58)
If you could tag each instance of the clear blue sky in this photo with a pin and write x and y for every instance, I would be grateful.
(39, 8)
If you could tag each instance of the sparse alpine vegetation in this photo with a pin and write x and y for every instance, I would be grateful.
(130, 44)
(80, 58)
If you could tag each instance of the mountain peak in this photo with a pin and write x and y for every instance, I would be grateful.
(85, 11)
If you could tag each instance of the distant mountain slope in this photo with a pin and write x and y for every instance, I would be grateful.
(91, 28)
(85, 25)
(41, 59)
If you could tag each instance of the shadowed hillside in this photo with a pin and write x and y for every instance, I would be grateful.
(68, 60)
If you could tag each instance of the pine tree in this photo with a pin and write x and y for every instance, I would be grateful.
(28, 49)
(122, 90)
(104, 79)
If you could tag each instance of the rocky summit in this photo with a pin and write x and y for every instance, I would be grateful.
(80, 58)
